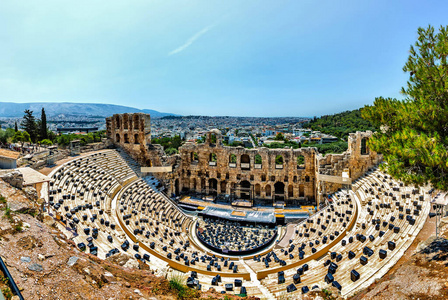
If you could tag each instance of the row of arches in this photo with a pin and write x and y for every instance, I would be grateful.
(128, 122)
(126, 139)
(245, 160)
(243, 189)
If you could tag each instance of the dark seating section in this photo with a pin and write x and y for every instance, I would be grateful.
(229, 237)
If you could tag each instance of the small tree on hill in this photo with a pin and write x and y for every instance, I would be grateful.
(21, 137)
(414, 132)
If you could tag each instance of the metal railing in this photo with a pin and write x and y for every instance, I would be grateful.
(15, 290)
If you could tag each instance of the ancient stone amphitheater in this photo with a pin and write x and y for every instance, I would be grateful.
(357, 232)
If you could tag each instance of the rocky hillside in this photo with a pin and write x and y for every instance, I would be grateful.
(45, 265)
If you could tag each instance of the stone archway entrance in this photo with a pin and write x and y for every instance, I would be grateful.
(245, 190)
(176, 187)
(213, 187)
(279, 191)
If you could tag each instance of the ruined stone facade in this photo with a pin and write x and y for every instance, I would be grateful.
(356, 160)
(213, 168)
(132, 132)
(261, 173)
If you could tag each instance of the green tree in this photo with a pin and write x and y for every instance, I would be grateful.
(279, 137)
(5, 135)
(51, 136)
(46, 142)
(29, 125)
(171, 151)
(43, 126)
(414, 132)
(22, 137)
(16, 128)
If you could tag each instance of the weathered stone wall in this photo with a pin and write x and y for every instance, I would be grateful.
(293, 181)
(356, 160)
(132, 132)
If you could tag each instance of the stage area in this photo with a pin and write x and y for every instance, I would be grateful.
(259, 217)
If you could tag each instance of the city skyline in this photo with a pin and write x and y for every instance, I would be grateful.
(261, 59)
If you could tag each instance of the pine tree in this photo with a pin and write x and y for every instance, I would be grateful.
(43, 126)
(16, 128)
(414, 132)
(29, 125)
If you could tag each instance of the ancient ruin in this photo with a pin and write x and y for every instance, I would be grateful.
(212, 168)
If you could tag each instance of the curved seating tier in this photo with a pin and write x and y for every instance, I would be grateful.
(390, 217)
(355, 239)
(155, 222)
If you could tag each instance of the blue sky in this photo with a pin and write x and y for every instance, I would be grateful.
(241, 58)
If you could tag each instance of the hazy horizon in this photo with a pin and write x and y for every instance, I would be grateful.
(252, 58)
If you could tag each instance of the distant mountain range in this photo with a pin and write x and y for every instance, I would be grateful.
(14, 110)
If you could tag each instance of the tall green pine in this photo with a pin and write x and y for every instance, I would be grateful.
(29, 125)
(16, 128)
(43, 126)
(414, 132)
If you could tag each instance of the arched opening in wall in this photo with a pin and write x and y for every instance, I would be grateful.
(213, 187)
(194, 158)
(301, 190)
(136, 122)
(126, 138)
(232, 187)
(300, 162)
(364, 148)
(185, 184)
(125, 121)
(267, 190)
(148, 163)
(223, 187)
(194, 184)
(136, 139)
(258, 161)
(232, 161)
(176, 187)
(117, 122)
(307, 178)
(245, 189)
(290, 191)
(245, 162)
(203, 185)
(279, 190)
(257, 190)
(212, 159)
(263, 177)
(117, 137)
(212, 139)
(279, 162)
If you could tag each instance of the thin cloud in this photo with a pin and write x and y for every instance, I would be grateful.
(192, 40)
